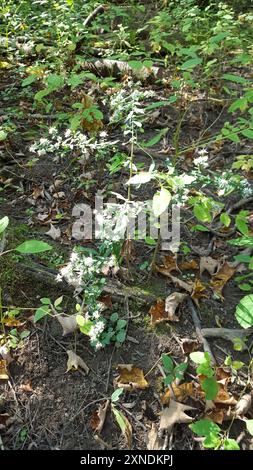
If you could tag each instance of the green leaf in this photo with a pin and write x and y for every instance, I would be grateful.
(86, 327)
(124, 425)
(241, 222)
(167, 363)
(161, 202)
(234, 78)
(240, 103)
(237, 365)
(29, 80)
(180, 370)
(150, 241)
(205, 427)
(200, 228)
(168, 379)
(212, 441)
(116, 394)
(201, 213)
(198, 357)
(191, 63)
(114, 317)
(245, 287)
(33, 246)
(210, 387)
(58, 301)
(121, 336)
(40, 313)
(219, 37)
(248, 133)
(225, 219)
(55, 81)
(4, 222)
(121, 324)
(160, 104)
(80, 320)
(140, 178)
(230, 444)
(45, 301)
(244, 311)
(135, 64)
(249, 426)
(3, 135)
(155, 139)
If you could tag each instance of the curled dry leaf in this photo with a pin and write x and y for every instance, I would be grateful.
(170, 264)
(130, 378)
(188, 286)
(98, 417)
(68, 323)
(243, 405)
(220, 279)
(54, 233)
(154, 441)
(216, 415)
(157, 312)
(75, 361)
(171, 304)
(106, 301)
(198, 291)
(181, 392)
(208, 264)
(190, 345)
(174, 414)
(26, 388)
(3, 370)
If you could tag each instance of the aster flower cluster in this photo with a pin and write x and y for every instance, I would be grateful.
(71, 142)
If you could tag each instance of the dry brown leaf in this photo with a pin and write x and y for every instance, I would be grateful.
(127, 250)
(37, 192)
(198, 291)
(190, 345)
(3, 419)
(130, 377)
(188, 286)
(54, 233)
(3, 370)
(158, 313)
(170, 264)
(216, 415)
(68, 323)
(154, 441)
(208, 264)
(221, 278)
(12, 322)
(98, 417)
(174, 414)
(188, 265)
(26, 388)
(181, 392)
(243, 405)
(75, 361)
(171, 304)
(224, 397)
(106, 300)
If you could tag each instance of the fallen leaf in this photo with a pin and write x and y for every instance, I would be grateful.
(216, 415)
(3, 419)
(127, 251)
(154, 441)
(188, 286)
(75, 361)
(157, 312)
(26, 388)
(54, 233)
(188, 265)
(198, 291)
(98, 417)
(224, 397)
(171, 304)
(221, 278)
(189, 345)
(68, 323)
(37, 192)
(181, 392)
(106, 300)
(170, 264)
(208, 264)
(243, 405)
(130, 377)
(3, 370)
(12, 322)
(174, 414)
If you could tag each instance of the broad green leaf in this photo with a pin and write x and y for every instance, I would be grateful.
(121, 324)
(160, 104)
(4, 222)
(234, 78)
(230, 444)
(121, 336)
(3, 135)
(180, 370)
(140, 178)
(210, 387)
(248, 133)
(168, 379)
(219, 37)
(167, 363)
(55, 81)
(161, 202)
(225, 219)
(135, 64)
(201, 213)
(240, 103)
(249, 426)
(191, 63)
(80, 320)
(40, 313)
(116, 394)
(212, 441)
(244, 312)
(29, 80)
(199, 228)
(205, 427)
(86, 327)
(155, 139)
(33, 246)
(198, 357)
(58, 301)
(45, 301)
